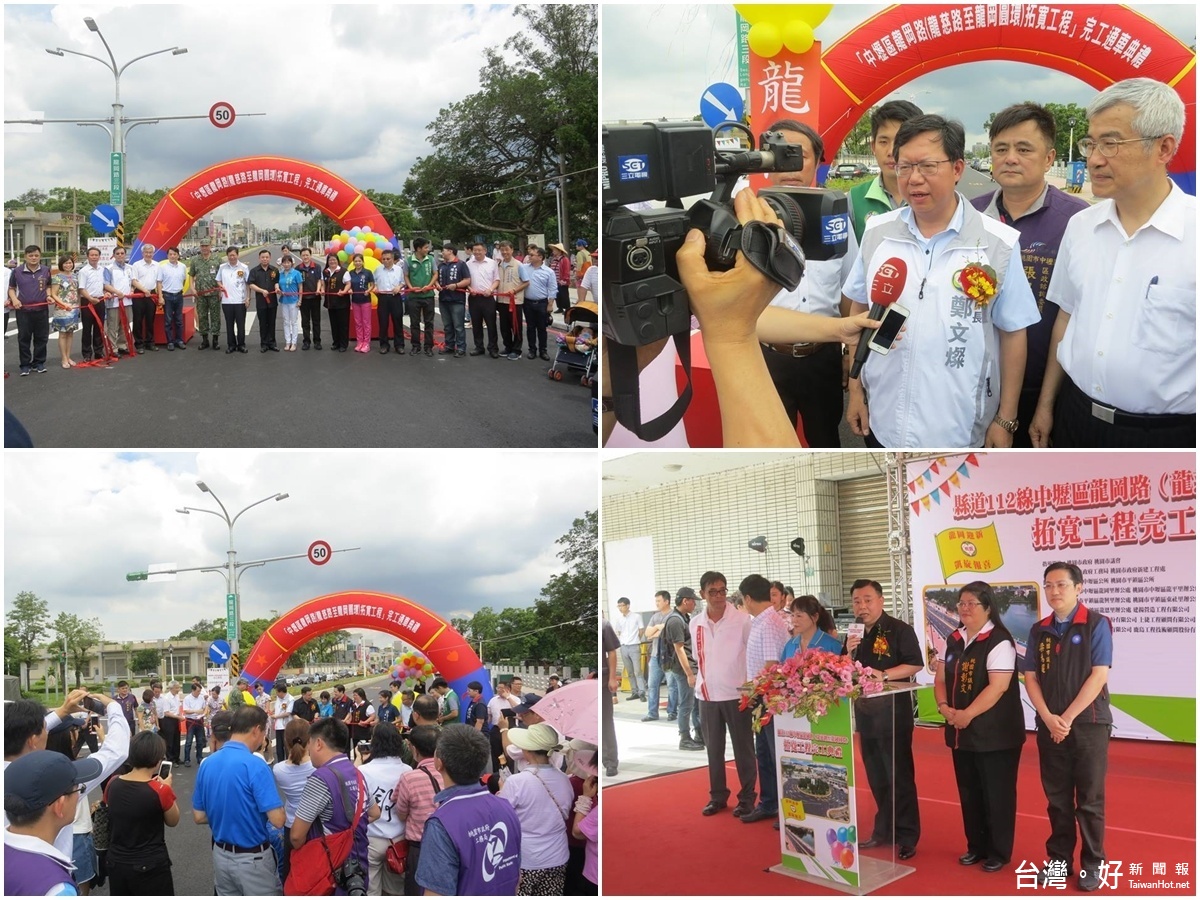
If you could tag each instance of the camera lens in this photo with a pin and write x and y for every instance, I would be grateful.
(639, 258)
(789, 213)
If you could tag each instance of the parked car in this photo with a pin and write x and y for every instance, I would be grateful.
(872, 169)
(981, 165)
(850, 170)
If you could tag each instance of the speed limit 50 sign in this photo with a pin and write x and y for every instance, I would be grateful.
(319, 553)
(221, 114)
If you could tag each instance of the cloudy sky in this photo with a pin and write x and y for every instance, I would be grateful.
(351, 88)
(658, 58)
(452, 531)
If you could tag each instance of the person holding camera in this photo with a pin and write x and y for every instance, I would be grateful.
(140, 803)
(730, 307)
(322, 809)
(383, 768)
(413, 797)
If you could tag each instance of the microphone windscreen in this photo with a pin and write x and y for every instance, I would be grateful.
(889, 280)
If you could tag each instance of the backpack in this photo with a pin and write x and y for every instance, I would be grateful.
(313, 872)
(666, 651)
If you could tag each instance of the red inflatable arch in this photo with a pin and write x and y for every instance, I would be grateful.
(1098, 44)
(448, 650)
(250, 177)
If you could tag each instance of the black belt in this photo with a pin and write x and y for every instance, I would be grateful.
(543, 299)
(1120, 417)
(797, 350)
(234, 848)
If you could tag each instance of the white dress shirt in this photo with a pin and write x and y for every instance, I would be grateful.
(233, 279)
(146, 274)
(121, 278)
(627, 627)
(1131, 341)
(720, 651)
(768, 634)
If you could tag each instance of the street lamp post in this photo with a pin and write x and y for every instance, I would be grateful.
(118, 130)
(170, 663)
(12, 243)
(1071, 145)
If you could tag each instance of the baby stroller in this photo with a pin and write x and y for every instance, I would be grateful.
(579, 347)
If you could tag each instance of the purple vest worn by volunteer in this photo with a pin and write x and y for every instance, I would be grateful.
(31, 874)
(335, 773)
(485, 832)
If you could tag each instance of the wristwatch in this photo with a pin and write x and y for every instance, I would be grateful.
(1009, 425)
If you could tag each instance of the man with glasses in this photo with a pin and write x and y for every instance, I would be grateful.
(1121, 369)
(1022, 145)
(41, 795)
(629, 629)
(1066, 665)
(954, 380)
(719, 638)
(885, 726)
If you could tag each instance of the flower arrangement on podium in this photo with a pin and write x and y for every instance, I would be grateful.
(806, 685)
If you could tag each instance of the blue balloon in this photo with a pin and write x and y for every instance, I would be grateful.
(841, 835)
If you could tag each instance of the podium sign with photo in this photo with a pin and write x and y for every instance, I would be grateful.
(815, 771)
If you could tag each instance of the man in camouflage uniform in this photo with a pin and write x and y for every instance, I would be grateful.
(203, 269)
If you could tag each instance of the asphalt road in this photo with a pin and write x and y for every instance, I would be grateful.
(196, 398)
(190, 844)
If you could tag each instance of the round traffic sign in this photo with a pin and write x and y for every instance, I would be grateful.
(319, 553)
(221, 114)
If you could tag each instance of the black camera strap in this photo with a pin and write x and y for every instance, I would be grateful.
(627, 392)
(771, 250)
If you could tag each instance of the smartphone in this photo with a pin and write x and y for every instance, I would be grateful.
(364, 747)
(882, 338)
(164, 769)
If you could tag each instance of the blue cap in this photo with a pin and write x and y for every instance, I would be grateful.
(37, 779)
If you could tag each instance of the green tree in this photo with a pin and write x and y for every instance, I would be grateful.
(28, 622)
(81, 636)
(144, 661)
(204, 630)
(533, 119)
(12, 653)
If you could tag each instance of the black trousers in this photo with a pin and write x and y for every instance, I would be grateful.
(987, 790)
(33, 333)
(339, 327)
(168, 727)
(716, 716)
(1073, 774)
(563, 298)
(391, 309)
(510, 325)
(91, 340)
(608, 737)
(811, 387)
(235, 315)
(893, 779)
(411, 888)
(1075, 426)
(310, 318)
(137, 881)
(483, 312)
(537, 316)
(574, 884)
(266, 323)
(420, 313)
(143, 321)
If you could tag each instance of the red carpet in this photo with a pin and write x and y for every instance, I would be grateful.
(657, 843)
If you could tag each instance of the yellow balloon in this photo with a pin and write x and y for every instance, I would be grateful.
(798, 36)
(779, 14)
(764, 39)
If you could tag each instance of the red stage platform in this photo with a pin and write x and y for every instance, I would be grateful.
(189, 325)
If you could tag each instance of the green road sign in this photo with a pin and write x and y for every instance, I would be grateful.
(231, 617)
(116, 189)
(137, 576)
(743, 51)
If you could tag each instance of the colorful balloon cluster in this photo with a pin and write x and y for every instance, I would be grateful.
(362, 240)
(841, 845)
(410, 668)
(775, 26)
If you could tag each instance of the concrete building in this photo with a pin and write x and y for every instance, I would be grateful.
(55, 233)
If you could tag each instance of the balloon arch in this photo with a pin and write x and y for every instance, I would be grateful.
(254, 176)
(433, 636)
(1098, 44)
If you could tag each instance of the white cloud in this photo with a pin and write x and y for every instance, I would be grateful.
(349, 87)
(450, 530)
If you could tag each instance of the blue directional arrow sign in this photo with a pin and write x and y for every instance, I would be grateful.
(105, 218)
(719, 103)
(218, 652)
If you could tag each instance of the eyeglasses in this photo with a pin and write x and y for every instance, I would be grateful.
(714, 592)
(78, 789)
(928, 168)
(1110, 146)
(970, 605)
(1059, 585)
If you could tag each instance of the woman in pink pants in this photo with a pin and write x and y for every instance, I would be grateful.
(358, 283)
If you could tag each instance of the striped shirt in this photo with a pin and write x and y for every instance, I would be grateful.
(768, 635)
(414, 798)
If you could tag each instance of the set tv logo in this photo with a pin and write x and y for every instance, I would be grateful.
(835, 229)
(633, 168)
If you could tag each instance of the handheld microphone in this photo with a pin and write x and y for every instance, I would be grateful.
(886, 287)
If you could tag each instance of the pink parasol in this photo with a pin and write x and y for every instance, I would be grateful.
(574, 709)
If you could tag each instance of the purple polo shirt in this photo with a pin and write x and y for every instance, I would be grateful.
(1041, 234)
(31, 286)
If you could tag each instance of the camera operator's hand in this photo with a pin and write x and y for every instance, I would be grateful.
(728, 305)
